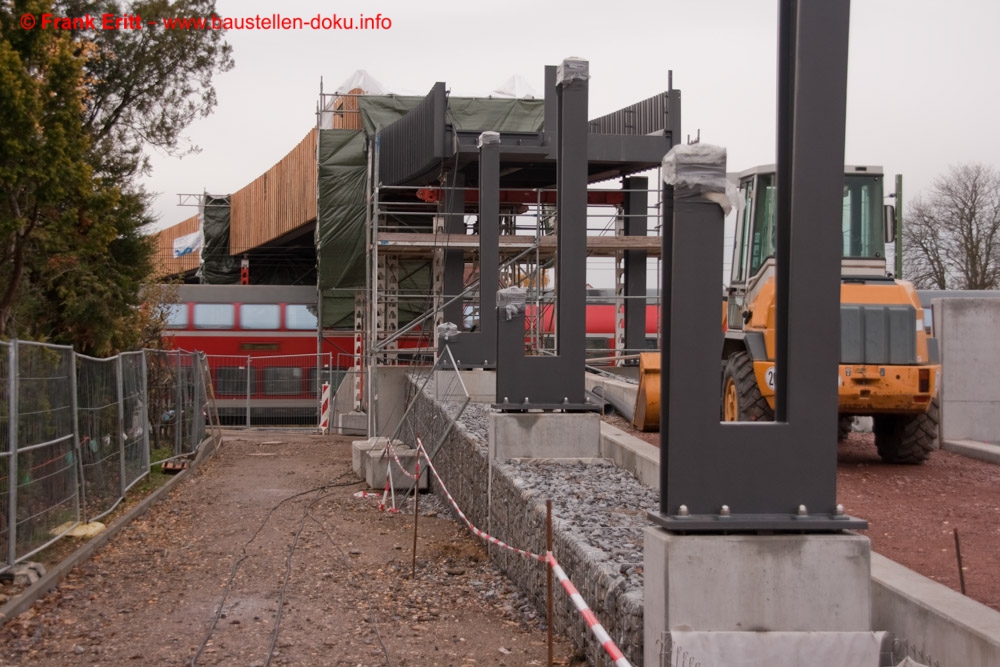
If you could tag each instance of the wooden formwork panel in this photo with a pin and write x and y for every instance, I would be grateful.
(164, 262)
(279, 201)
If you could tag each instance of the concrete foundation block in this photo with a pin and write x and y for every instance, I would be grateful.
(352, 421)
(376, 467)
(754, 583)
(360, 449)
(545, 435)
(481, 385)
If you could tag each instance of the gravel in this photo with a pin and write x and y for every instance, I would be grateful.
(597, 504)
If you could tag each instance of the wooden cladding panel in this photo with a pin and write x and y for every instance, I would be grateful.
(277, 202)
(164, 263)
(346, 115)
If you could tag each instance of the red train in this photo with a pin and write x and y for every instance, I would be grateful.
(268, 363)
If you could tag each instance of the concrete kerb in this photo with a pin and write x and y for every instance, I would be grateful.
(55, 574)
(974, 449)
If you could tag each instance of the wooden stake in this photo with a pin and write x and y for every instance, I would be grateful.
(548, 574)
(958, 552)
(416, 514)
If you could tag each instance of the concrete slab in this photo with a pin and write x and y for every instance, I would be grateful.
(629, 452)
(754, 583)
(355, 422)
(544, 435)
(984, 451)
(481, 385)
(376, 467)
(947, 627)
(970, 385)
(618, 393)
(360, 449)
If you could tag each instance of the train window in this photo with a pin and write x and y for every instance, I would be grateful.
(597, 343)
(214, 315)
(177, 315)
(260, 316)
(231, 380)
(282, 380)
(300, 317)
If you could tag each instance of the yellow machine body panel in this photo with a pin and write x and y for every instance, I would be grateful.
(647, 399)
(862, 388)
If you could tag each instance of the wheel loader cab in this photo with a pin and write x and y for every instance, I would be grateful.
(864, 233)
(889, 367)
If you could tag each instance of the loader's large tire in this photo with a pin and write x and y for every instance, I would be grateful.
(907, 438)
(741, 398)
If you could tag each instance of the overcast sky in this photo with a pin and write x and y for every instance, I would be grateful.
(922, 90)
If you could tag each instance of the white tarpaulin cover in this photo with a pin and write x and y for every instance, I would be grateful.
(516, 86)
(187, 244)
(363, 80)
(767, 649)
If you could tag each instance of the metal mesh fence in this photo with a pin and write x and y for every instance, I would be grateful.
(7, 394)
(100, 436)
(45, 503)
(76, 432)
(161, 392)
(135, 433)
(276, 390)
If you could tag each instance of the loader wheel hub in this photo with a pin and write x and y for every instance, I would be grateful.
(731, 402)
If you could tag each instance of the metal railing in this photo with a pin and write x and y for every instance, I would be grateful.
(270, 390)
(76, 433)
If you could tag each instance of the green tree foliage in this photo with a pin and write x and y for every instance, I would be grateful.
(78, 112)
(952, 237)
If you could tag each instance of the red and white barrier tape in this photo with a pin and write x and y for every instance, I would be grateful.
(595, 626)
(389, 450)
(486, 537)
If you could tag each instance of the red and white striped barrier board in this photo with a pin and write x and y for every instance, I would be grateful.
(324, 410)
(475, 531)
(595, 626)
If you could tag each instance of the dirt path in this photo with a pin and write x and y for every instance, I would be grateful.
(264, 556)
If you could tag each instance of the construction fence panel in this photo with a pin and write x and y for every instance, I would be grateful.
(162, 391)
(192, 416)
(6, 441)
(135, 433)
(44, 503)
(98, 417)
(269, 390)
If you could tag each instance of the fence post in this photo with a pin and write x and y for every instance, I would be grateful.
(12, 467)
(249, 382)
(144, 401)
(120, 390)
(81, 487)
(178, 406)
(197, 421)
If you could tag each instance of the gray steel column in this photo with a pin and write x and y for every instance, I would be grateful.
(776, 475)
(479, 349)
(454, 260)
(551, 383)
(571, 241)
(635, 207)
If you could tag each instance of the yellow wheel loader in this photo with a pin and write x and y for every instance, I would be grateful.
(889, 364)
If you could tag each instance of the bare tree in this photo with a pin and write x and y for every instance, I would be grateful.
(952, 237)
